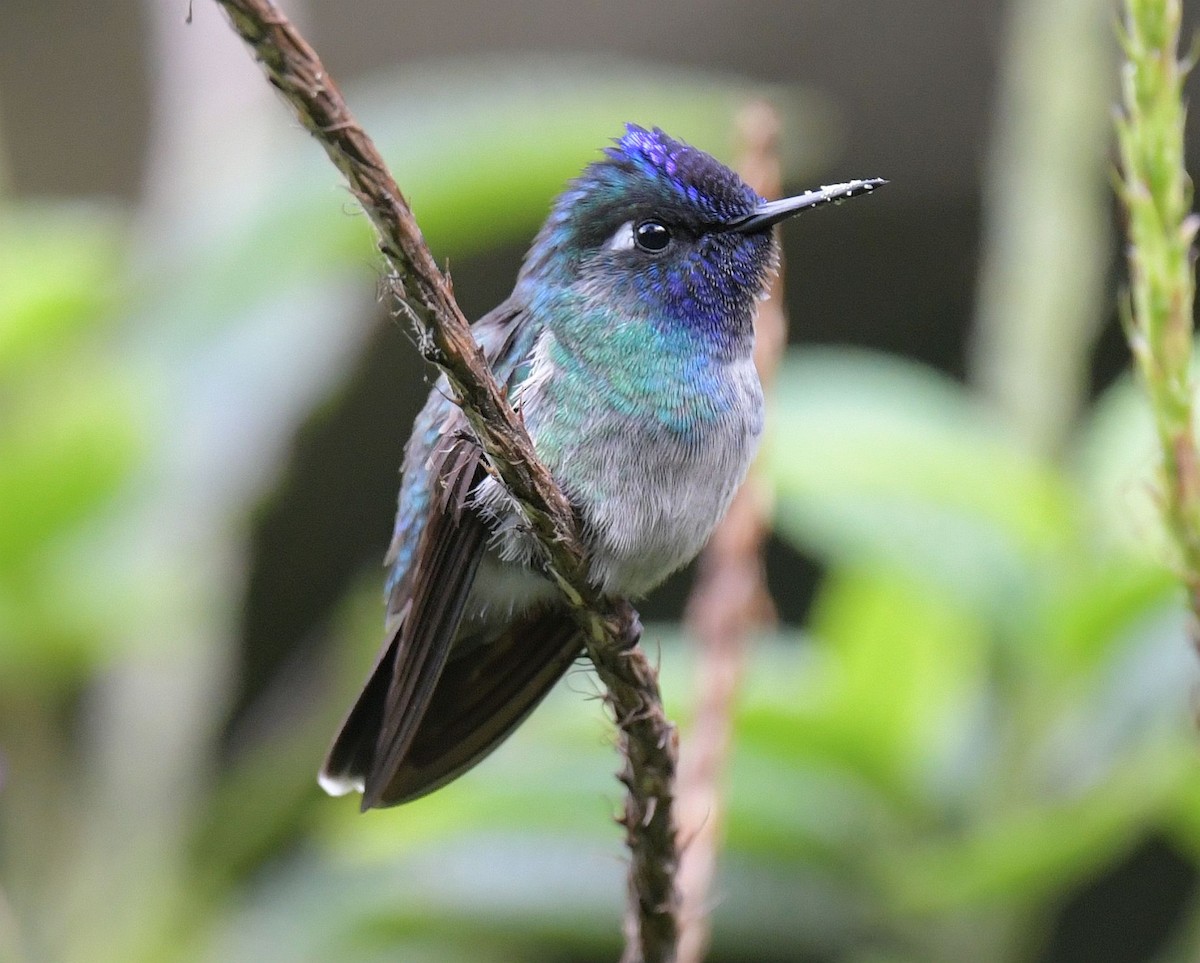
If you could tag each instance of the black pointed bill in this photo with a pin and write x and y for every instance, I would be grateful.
(772, 212)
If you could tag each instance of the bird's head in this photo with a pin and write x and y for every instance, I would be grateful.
(660, 229)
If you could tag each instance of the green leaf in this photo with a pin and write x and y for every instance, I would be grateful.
(1027, 853)
(60, 265)
(877, 458)
(66, 446)
(1090, 607)
(69, 442)
(888, 699)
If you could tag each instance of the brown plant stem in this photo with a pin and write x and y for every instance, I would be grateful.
(610, 627)
(730, 598)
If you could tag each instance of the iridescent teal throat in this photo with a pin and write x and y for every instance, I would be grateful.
(631, 363)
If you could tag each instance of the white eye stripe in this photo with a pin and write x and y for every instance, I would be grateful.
(623, 238)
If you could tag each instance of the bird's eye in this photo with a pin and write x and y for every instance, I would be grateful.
(652, 236)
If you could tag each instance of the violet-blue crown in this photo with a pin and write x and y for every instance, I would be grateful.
(699, 180)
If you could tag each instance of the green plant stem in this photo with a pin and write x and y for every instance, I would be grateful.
(1157, 194)
(1046, 232)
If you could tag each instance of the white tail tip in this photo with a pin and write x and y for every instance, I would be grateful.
(339, 785)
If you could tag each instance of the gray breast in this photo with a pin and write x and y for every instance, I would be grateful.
(653, 494)
(667, 491)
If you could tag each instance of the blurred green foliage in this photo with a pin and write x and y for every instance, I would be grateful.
(987, 707)
(68, 423)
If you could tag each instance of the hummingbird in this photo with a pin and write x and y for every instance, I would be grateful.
(626, 348)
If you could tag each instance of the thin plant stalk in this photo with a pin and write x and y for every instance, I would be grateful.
(730, 598)
(1046, 218)
(1158, 308)
(610, 627)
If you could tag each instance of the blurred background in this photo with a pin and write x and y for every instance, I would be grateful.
(970, 736)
